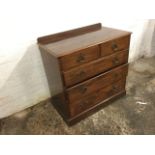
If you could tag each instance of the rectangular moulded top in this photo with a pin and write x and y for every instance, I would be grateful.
(65, 43)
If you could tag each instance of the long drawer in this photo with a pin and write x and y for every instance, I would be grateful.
(94, 68)
(96, 97)
(81, 90)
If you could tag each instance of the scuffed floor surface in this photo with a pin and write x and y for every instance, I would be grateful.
(132, 114)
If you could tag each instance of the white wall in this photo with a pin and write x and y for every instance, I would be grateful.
(22, 78)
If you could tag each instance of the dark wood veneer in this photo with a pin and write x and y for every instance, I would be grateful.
(86, 68)
(68, 34)
(98, 82)
(94, 68)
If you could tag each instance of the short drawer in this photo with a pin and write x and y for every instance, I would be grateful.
(96, 97)
(80, 57)
(81, 90)
(115, 45)
(94, 68)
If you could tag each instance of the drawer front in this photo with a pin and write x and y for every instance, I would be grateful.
(97, 83)
(79, 57)
(96, 97)
(94, 68)
(115, 45)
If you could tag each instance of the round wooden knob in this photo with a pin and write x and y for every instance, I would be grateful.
(114, 46)
(80, 58)
(116, 61)
(83, 89)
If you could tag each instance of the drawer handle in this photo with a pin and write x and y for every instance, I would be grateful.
(82, 89)
(80, 58)
(83, 105)
(115, 88)
(81, 74)
(114, 46)
(116, 61)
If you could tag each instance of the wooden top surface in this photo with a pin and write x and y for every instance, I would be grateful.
(65, 45)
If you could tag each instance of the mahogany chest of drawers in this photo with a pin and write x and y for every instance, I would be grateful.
(86, 68)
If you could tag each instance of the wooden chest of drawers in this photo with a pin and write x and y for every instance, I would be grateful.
(86, 68)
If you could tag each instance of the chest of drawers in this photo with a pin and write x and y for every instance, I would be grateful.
(86, 69)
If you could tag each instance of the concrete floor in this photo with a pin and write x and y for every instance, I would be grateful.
(132, 114)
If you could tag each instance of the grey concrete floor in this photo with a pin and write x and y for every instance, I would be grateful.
(131, 114)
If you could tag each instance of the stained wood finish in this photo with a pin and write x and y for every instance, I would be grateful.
(94, 68)
(80, 57)
(83, 89)
(71, 44)
(73, 120)
(68, 34)
(51, 65)
(115, 45)
(86, 69)
(92, 99)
